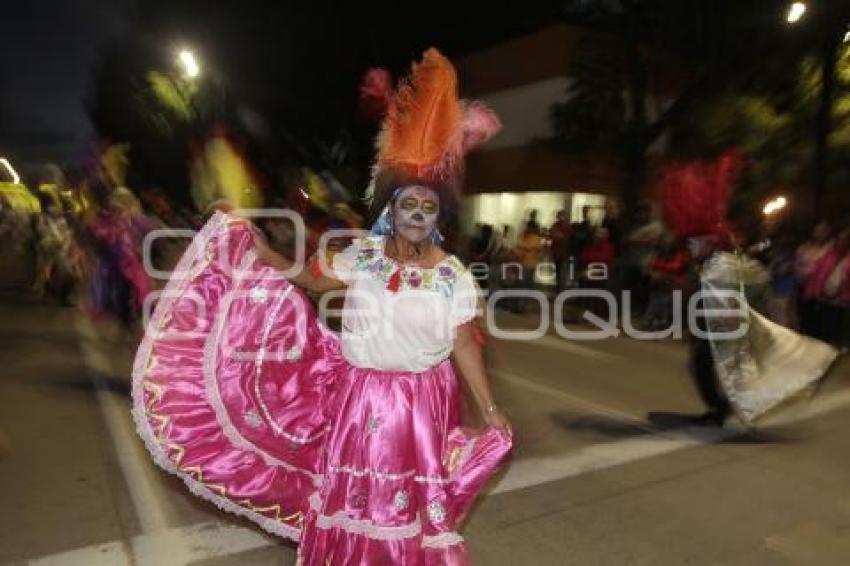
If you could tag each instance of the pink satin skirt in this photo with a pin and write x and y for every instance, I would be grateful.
(239, 391)
(399, 474)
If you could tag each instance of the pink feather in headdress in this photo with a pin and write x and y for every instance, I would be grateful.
(479, 125)
(376, 92)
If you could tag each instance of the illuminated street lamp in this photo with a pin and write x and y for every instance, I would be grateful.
(795, 12)
(189, 64)
(774, 206)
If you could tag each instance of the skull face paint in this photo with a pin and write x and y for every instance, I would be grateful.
(415, 211)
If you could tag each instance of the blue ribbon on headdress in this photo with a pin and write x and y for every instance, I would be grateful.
(436, 237)
(383, 225)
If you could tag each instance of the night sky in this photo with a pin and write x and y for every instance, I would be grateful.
(293, 61)
(48, 48)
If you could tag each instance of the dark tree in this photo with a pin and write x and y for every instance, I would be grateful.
(673, 52)
(287, 73)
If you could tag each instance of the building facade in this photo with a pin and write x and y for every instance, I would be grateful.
(520, 169)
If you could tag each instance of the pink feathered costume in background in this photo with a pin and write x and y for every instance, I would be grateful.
(240, 391)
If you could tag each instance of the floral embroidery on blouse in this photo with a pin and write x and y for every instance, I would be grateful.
(440, 278)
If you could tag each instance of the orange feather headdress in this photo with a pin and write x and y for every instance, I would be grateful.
(427, 131)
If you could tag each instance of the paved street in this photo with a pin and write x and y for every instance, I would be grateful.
(591, 482)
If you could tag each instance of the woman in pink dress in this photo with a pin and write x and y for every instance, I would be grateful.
(351, 444)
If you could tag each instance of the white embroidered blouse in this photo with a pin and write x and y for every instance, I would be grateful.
(399, 317)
